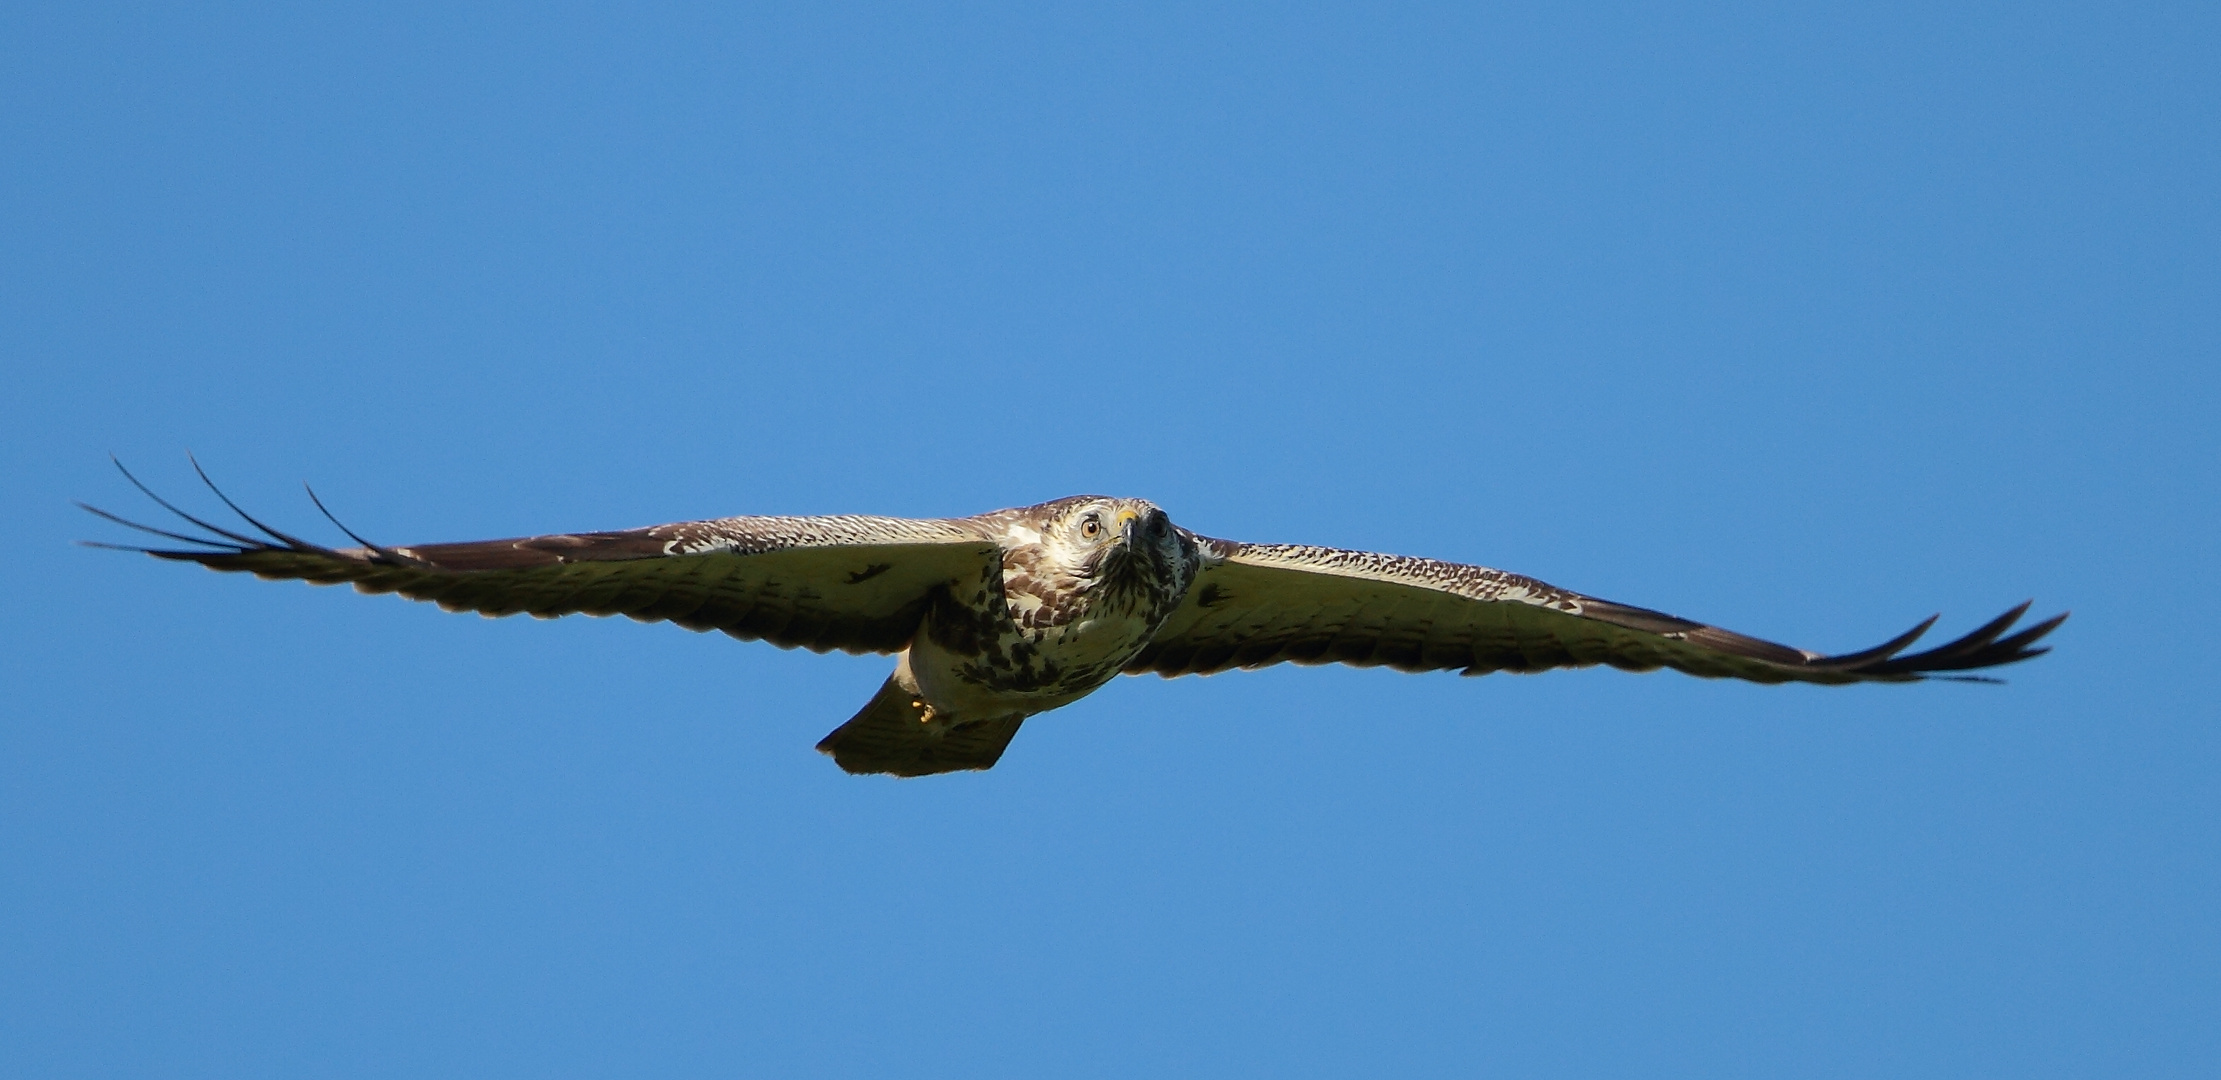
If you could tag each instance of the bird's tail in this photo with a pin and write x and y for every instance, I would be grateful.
(898, 733)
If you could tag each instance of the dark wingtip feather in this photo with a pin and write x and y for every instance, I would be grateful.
(2034, 633)
(220, 546)
(1984, 647)
(293, 542)
(113, 547)
(224, 545)
(248, 541)
(387, 554)
(1883, 651)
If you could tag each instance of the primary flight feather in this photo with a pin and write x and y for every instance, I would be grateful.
(1001, 616)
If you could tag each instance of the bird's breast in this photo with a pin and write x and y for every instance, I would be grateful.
(995, 659)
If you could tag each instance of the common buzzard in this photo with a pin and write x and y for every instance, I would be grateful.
(995, 618)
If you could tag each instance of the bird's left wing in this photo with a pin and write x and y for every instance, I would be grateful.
(1260, 604)
(859, 584)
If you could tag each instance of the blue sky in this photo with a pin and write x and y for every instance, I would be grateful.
(1808, 321)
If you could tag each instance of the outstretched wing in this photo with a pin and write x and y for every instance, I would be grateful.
(1259, 604)
(859, 584)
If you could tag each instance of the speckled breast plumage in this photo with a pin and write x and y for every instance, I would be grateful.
(1034, 633)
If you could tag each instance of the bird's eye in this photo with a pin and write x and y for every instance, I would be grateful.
(1091, 526)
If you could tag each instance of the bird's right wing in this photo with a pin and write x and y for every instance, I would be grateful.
(859, 584)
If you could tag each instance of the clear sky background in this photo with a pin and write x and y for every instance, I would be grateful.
(1808, 321)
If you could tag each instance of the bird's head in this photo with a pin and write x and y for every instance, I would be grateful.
(1122, 543)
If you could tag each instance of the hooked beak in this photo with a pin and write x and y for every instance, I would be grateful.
(1130, 529)
(1135, 539)
(1135, 527)
(1128, 525)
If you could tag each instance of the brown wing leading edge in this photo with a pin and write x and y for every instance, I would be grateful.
(1261, 604)
(859, 584)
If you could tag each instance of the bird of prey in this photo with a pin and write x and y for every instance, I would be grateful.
(995, 618)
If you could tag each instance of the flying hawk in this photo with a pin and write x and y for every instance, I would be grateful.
(994, 618)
